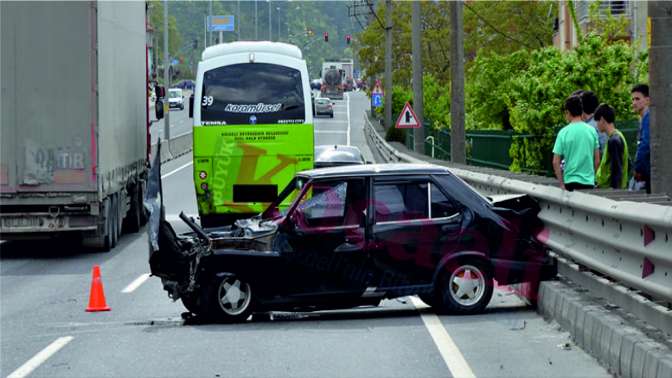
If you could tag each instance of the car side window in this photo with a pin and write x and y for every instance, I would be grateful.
(401, 201)
(442, 206)
(332, 204)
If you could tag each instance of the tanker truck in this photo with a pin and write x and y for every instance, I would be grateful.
(332, 82)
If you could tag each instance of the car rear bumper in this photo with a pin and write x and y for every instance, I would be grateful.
(511, 272)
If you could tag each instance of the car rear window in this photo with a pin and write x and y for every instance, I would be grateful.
(252, 93)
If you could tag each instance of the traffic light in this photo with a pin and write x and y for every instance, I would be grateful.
(326, 36)
(348, 38)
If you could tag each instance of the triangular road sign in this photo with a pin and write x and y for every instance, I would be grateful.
(407, 118)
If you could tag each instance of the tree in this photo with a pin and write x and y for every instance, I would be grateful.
(156, 21)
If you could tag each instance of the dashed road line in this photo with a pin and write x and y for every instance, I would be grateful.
(136, 283)
(41, 357)
(347, 96)
(177, 170)
(449, 352)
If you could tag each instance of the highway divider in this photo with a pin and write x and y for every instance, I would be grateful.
(175, 147)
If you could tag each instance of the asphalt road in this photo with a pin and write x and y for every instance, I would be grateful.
(45, 332)
(180, 123)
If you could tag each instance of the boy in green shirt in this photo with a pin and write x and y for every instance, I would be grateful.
(578, 144)
(613, 169)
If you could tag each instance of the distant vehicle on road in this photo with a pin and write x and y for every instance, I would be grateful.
(332, 82)
(334, 155)
(324, 106)
(185, 84)
(176, 98)
(354, 236)
(316, 84)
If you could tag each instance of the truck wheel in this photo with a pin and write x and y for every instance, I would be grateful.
(103, 242)
(114, 220)
(144, 215)
(133, 220)
(465, 287)
(228, 299)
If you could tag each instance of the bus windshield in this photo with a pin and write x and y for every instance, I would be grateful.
(252, 93)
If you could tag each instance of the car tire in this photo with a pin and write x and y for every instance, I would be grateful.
(465, 287)
(228, 299)
(331, 115)
(133, 220)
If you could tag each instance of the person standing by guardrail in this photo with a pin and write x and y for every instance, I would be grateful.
(613, 169)
(640, 104)
(578, 144)
(589, 103)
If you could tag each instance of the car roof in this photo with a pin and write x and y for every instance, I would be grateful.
(376, 170)
(322, 98)
(337, 154)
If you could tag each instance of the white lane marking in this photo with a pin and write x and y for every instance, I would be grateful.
(451, 354)
(136, 284)
(177, 169)
(41, 357)
(347, 96)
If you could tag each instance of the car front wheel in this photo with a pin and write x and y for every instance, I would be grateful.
(465, 287)
(229, 299)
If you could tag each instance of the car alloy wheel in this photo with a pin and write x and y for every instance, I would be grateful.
(234, 298)
(466, 287)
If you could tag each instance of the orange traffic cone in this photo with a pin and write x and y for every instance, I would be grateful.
(97, 296)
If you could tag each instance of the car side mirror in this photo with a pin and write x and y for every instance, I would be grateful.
(158, 109)
(191, 106)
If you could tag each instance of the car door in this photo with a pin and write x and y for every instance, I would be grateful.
(326, 238)
(414, 224)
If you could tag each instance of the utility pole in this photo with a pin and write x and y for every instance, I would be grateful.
(256, 21)
(457, 149)
(277, 15)
(660, 77)
(418, 106)
(166, 72)
(388, 64)
(270, 28)
(210, 15)
(237, 20)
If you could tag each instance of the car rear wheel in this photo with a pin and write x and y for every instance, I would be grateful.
(229, 299)
(465, 287)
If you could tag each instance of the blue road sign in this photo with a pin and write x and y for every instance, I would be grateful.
(377, 100)
(175, 62)
(221, 23)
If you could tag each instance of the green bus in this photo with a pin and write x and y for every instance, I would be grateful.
(253, 127)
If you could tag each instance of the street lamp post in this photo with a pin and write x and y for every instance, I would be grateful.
(166, 71)
(270, 29)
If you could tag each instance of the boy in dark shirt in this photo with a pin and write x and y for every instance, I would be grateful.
(613, 169)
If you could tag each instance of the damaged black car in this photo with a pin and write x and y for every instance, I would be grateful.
(354, 236)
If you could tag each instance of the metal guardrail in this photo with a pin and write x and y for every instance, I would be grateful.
(628, 242)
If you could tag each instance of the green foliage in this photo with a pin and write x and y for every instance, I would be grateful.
(531, 88)
(489, 26)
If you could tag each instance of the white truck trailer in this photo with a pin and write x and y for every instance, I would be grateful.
(74, 112)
